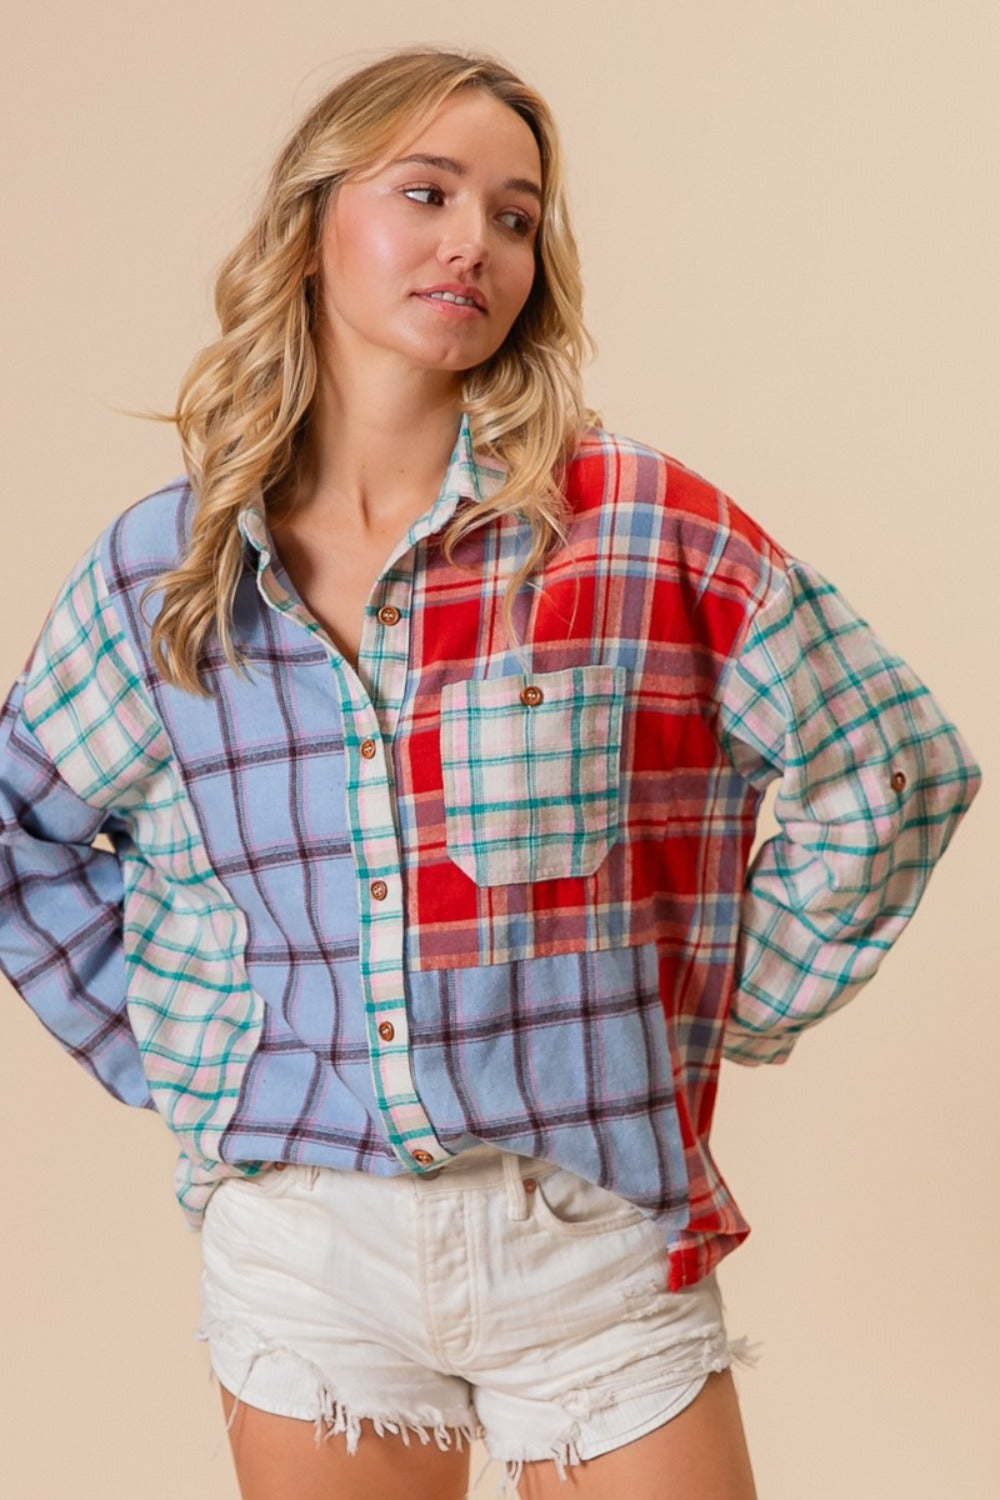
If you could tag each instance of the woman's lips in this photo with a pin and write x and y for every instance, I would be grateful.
(454, 295)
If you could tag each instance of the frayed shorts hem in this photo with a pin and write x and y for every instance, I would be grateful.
(331, 1416)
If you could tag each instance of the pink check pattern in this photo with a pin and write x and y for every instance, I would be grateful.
(470, 889)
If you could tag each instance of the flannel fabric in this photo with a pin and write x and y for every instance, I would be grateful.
(478, 889)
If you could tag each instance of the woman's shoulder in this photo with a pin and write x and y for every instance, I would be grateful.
(147, 538)
(143, 540)
(654, 488)
(151, 534)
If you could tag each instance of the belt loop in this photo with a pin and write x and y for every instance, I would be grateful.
(517, 1198)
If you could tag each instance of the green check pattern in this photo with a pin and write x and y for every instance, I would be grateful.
(469, 888)
(190, 1007)
(816, 697)
(553, 764)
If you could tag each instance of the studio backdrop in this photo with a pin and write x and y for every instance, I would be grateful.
(789, 228)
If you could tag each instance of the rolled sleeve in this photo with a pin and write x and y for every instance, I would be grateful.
(874, 779)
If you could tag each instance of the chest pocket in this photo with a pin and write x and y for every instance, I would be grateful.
(531, 771)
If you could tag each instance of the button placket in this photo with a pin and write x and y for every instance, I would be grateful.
(378, 689)
(383, 654)
(378, 860)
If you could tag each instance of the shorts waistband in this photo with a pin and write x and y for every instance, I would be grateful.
(481, 1167)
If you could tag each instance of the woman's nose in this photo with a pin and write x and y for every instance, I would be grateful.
(464, 241)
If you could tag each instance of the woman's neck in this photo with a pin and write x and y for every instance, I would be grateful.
(373, 447)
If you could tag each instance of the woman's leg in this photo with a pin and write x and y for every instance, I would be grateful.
(701, 1454)
(277, 1458)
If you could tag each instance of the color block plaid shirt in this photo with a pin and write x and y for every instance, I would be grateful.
(469, 893)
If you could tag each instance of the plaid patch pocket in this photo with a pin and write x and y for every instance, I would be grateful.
(531, 773)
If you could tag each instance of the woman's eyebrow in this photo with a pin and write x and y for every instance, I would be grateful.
(449, 164)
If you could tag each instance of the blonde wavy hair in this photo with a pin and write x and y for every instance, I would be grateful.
(243, 407)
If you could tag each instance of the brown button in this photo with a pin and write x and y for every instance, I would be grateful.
(898, 780)
(280, 1166)
(368, 748)
(389, 614)
(531, 696)
(423, 1157)
(530, 1184)
(379, 890)
(386, 1031)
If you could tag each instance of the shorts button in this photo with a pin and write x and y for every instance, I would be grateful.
(531, 696)
(379, 890)
(424, 1158)
(368, 749)
(530, 1184)
(389, 614)
(279, 1166)
(386, 1031)
(898, 780)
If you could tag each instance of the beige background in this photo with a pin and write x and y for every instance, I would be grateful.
(789, 230)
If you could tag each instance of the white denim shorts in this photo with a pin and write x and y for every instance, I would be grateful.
(498, 1297)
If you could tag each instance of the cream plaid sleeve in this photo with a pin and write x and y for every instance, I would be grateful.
(874, 780)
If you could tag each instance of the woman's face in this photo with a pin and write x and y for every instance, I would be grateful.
(454, 214)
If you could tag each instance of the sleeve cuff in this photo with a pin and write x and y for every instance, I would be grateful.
(753, 1048)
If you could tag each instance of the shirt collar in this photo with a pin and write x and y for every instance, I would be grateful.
(470, 477)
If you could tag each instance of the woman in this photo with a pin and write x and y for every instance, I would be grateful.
(428, 723)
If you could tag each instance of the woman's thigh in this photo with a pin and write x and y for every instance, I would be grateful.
(701, 1454)
(277, 1458)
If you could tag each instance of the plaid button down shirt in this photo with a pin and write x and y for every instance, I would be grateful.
(472, 891)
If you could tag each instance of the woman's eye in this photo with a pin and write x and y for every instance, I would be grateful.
(424, 194)
(520, 223)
